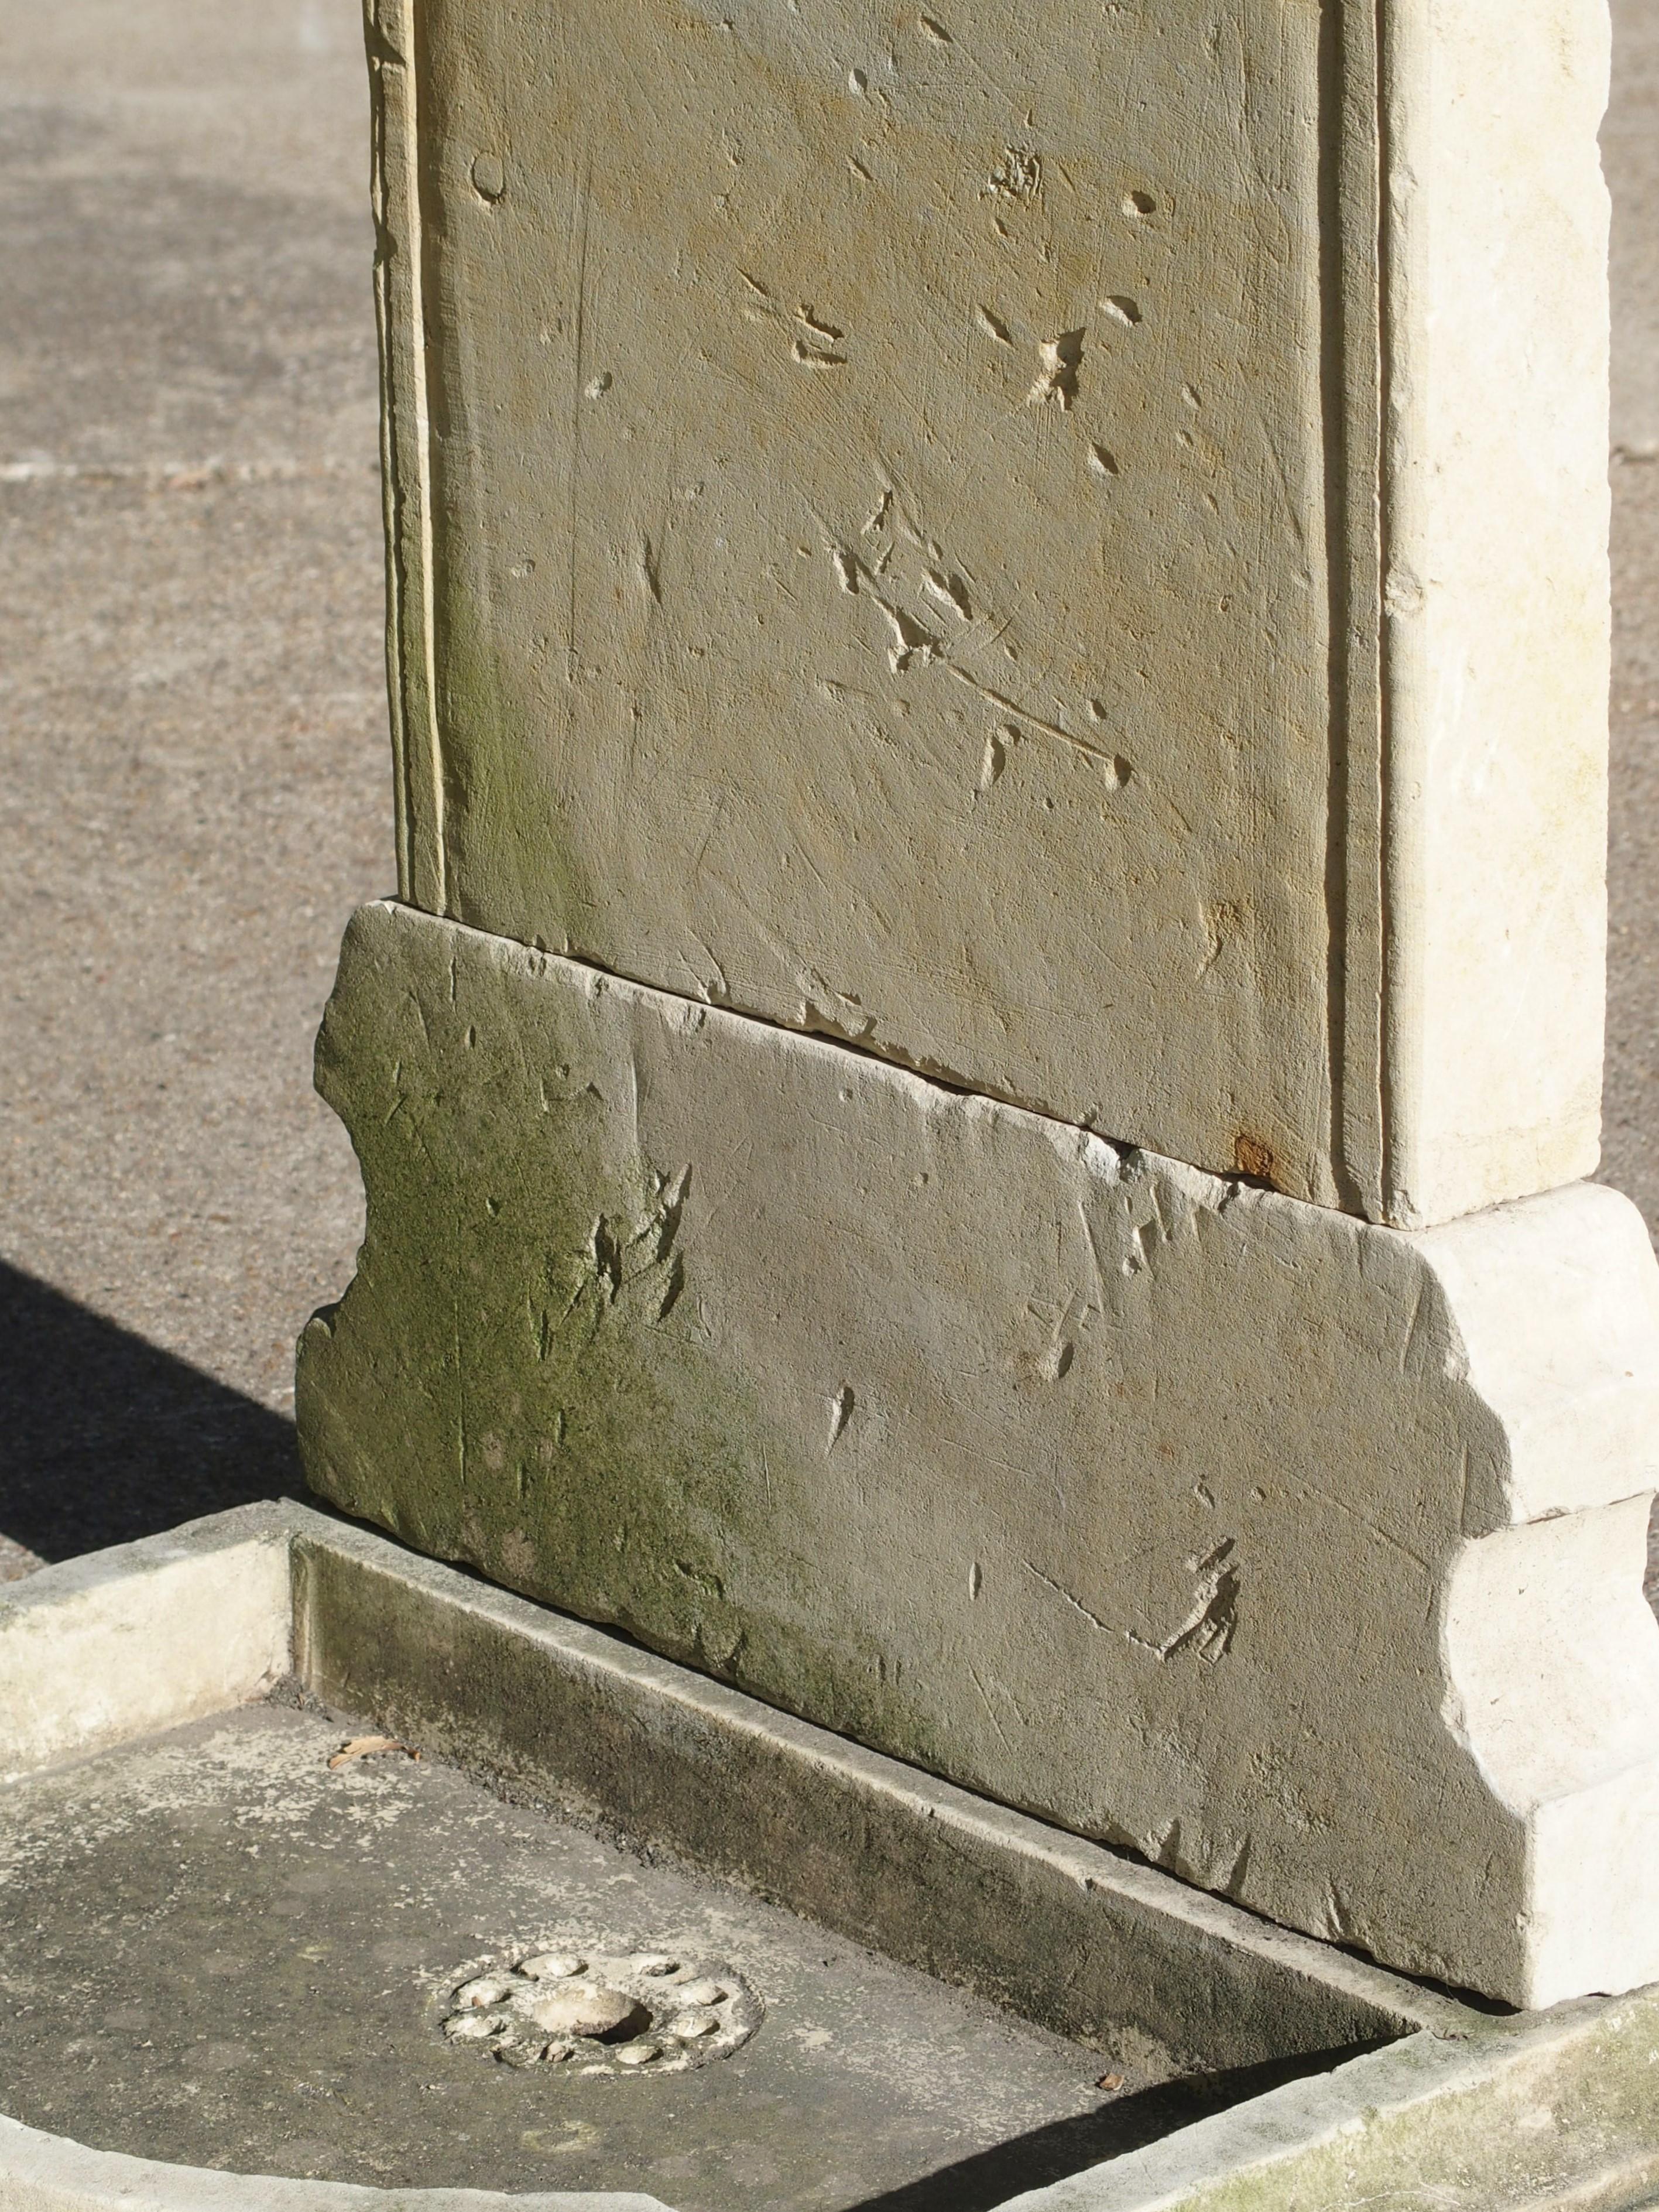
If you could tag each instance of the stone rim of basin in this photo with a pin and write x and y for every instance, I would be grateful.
(601, 2012)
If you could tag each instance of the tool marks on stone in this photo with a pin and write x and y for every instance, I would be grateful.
(1208, 1628)
(816, 343)
(1060, 365)
(841, 1413)
(998, 744)
(1016, 175)
(813, 341)
(627, 1259)
(912, 645)
(950, 592)
(1205, 1630)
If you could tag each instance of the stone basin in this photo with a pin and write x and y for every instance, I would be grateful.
(282, 1804)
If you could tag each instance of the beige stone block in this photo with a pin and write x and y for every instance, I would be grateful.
(1300, 1555)
(1496, 593)
(1064, 545)
(79, 1664)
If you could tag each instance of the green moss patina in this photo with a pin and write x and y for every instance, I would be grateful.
(488, 782)
(518, 1376)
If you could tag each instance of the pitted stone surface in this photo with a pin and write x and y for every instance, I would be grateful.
(603, 2014)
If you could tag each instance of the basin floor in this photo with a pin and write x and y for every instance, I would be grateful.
(220, 1951)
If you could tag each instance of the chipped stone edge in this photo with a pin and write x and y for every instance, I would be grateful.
(1376, 2116)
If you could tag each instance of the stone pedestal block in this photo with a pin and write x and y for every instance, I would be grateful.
(1302, 1556)
(1063, 544)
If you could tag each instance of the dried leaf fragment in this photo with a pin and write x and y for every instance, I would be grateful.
(1110, 2082)
(368, 1746)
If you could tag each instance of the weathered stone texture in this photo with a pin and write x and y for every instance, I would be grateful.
(1495, 594)
(1303, 1556)
(888, 519)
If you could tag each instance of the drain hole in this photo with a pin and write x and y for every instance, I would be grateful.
(600, 2015)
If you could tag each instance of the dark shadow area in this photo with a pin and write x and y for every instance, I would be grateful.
(103, 1438)
(1063, 2147)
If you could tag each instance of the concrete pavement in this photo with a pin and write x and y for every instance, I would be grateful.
(195, 788)
(1629, 1155)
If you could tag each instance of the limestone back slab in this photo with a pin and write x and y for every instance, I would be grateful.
(1063, 544)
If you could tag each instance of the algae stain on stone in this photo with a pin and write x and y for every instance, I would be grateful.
(522, 1376)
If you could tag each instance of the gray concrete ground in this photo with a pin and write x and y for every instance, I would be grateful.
(195, 789)
(1630, 1158)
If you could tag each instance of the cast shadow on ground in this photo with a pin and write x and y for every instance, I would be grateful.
(105, 1438)
(1064, 2148)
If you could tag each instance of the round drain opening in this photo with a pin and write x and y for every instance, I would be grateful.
(600, 2012)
